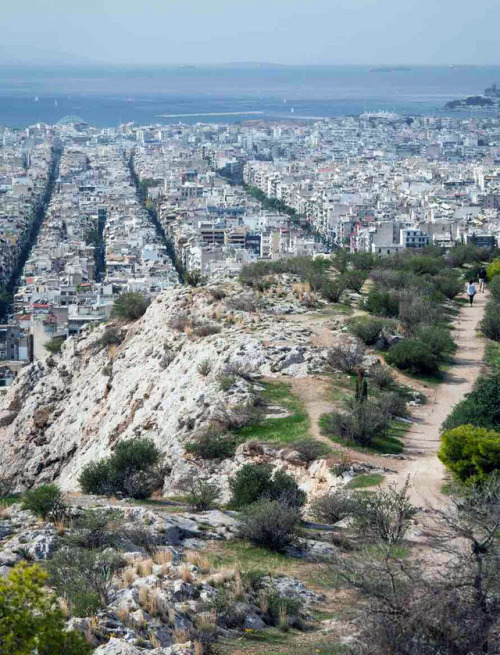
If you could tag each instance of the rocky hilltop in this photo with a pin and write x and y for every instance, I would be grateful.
(195, 357)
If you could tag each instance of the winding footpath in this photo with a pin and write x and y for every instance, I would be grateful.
(422, 442)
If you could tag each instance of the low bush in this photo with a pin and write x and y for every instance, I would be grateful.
(359, 422)
(204, 367)
(234, 417)
(84, 577)
(381, 376)
(206, 329)
(493, 269)
(382, 303)
(6, 487)
(332, 290)
(253, 482)
(54, 345)
(449, 285)
(130, 306)
(310, 450)
(217, 293)
(278, 606)
(438, 339)
(354, 280)
(244, 302)
(132, 470)
(490, 324)
(332, 507)
(271, 524)
(416, 309)
(412, 355)
(481, 407)
(201, 495)
(228, 614)
(112, 336)
(392, 404)
(211, 444)
(346, 357)
(385, 515)
(95, 529)
(367, 328)
(45, 501)
(494, 287)
(472, 454)
(181, 321)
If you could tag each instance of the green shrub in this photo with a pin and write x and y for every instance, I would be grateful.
(493, 269)
(112, 336)
(346, 357)
(354, 280)
(382, 303)
(438, 339)
(132, 470)
(424, 264)
(367, 328)
(278, 605)
(359, 422)
(46, 502)
(449, 285)
(412, 355)
(130, 306)
(381, 376)
(253, 482)
(332, 290)
(332, 507)
(30, 620)
(54, 345)
(362, 261)
(481, 407)
(95, 529)
(310, 450)
(494, 287)
(201, 495)
(490, 323)
(472, 454)
(84, 577)
(213, 445)
(271, 524)
(385, 515)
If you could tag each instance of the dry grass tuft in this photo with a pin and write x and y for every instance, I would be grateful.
(238, 586)
(129, 576)
(199, 560)
(144, 567)
(163, 557)
(221, 577)
(64, 606)
(186, 574)
(181, 635)
(123, 615)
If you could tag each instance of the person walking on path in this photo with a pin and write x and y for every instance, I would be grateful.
(482, 275)
(471, 291)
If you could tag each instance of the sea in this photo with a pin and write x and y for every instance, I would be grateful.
(108, 96)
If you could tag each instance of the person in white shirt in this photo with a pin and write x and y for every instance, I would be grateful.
(471, 291)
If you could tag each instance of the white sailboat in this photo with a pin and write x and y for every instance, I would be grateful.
(36, 98)
(292, 110)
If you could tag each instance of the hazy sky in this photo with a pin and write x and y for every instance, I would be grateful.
(283, 31)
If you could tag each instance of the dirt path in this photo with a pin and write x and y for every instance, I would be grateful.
(422, 442)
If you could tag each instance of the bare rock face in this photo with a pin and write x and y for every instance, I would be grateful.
(161, 382)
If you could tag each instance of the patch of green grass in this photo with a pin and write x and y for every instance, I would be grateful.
(388, 444)
(273, 642)
(287, 429)
(7, 501)
(368, 480)
(247, 557)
